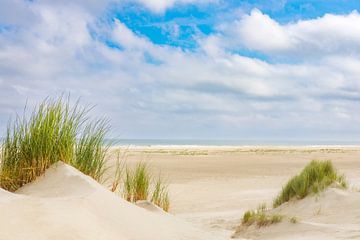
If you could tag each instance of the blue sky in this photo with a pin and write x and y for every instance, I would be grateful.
(193, 19)
(193, 69)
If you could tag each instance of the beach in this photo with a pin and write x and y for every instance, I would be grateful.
(212, 187)
(179, 120)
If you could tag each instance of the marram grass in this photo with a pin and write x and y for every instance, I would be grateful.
(128, 186)
(90, 150)
(315, 177)
(55, 131)
(119, 166)
(160, 195)
(141, 182)
(260, 217)
(138, 183)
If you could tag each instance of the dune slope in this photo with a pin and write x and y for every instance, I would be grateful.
(333, 214)
(65, 204)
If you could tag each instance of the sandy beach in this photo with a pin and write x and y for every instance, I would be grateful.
(179, 120)
(211, 187)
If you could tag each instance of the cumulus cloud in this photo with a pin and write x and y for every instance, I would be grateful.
(330, 34)
(154, 90)
(259, 32)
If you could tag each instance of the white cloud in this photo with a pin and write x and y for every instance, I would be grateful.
(260, 32)
(126, 38)
(208, 91)
(324, 35)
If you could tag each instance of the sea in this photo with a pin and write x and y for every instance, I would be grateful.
(217, 142)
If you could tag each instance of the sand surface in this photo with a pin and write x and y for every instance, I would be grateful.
(211, 187)
(65, 204)
(333, 214)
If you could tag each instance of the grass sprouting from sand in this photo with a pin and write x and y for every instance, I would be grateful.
(160, 195)
(119, 166)
(90, 150)
(141, 182)
(128, 186)
(137, 186)
(294, 220)
(260, 217)
(315, 177)
(55, 131)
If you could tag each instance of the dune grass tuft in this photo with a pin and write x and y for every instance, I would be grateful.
(315, 177)
(49, 135)
(160, 195)
(294, 220)
(54, 132)
(260, 218)
(128, 186)
(137, 183)
(141, 182)
(119, 166)
(137, 186)
(90, 150)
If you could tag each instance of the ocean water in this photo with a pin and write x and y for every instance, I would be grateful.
(208, 142)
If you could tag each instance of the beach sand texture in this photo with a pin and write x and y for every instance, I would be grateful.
(213, 186)
(210, 189)
(65, 204)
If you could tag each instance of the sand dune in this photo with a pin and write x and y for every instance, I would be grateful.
(213, 187)
(209, 190)
(334, 214)
(65, 204)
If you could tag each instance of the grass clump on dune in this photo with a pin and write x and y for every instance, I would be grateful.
(294, 220)
(128, 186)
(90, 150)
(55, 131)
(315, 177)
(119, 166)
(138, 183)
(141, 182)
(160, 195)
(260, 218)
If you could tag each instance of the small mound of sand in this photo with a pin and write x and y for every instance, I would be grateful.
(60, 180)
(333, 214)
(149, 206)
(66, 204)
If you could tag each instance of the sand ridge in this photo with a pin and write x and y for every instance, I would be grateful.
(66, 204)
(333, 214)
(209, 189)
(213, 187)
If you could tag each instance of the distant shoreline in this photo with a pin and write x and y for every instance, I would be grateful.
(204, 143)
(132, 146)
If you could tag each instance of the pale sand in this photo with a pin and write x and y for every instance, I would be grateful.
(333, 214)
(210, 189)
(65, 204)
(212, 186)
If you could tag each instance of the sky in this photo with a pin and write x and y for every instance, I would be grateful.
(189, 69)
